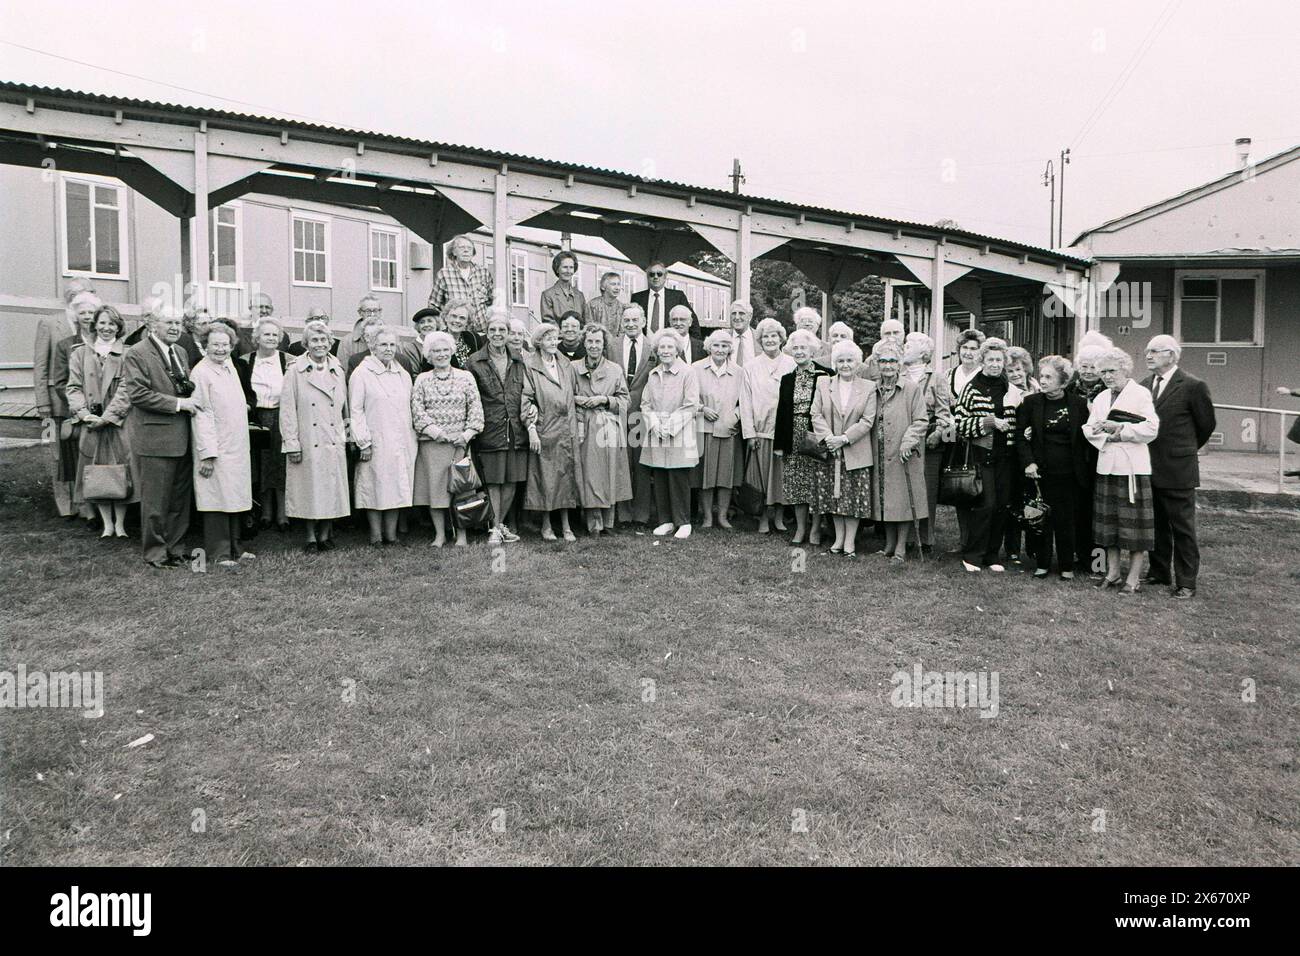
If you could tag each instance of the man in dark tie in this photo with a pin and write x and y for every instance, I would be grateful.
(658, 300)
(1186, 416)
(157, 380)
(632, 353)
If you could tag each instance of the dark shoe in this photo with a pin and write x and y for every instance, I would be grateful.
(1184, 594)
(1107, 583)
(1157, 581)
(927, 549)
(1130, 589)
(326, 545)
(311, 547)
(178, 561)
(161, 565)
(1040, 573)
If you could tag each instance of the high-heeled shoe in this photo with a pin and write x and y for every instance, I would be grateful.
(797, 539)
(1130, 589)
(1106, 583)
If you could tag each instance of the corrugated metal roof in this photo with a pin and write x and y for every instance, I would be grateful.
(737, 199)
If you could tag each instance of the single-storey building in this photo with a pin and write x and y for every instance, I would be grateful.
(1217, 267)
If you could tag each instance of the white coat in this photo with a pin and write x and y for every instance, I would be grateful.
(380, 400)
(220, 431)
(313, 421)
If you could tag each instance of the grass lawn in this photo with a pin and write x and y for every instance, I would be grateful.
(501, 712)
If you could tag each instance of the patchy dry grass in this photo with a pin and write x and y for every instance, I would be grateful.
(517, 697)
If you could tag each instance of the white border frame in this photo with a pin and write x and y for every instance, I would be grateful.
(123, 244)
(329, 250)
(1256, 274)
(399, 275)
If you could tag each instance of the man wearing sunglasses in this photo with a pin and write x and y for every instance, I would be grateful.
(658, 300)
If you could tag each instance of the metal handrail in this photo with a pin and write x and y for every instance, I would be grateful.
(1281, 414)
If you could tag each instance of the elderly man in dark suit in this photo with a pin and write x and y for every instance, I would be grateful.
(158, 427)
(631, 352)
(1186, 415)
(658, 300)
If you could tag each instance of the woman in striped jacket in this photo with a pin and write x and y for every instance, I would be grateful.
(986, 421)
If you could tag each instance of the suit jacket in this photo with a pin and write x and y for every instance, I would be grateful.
(672, 297)
(155, 428)
(1186, 421)
(854, 423)
(50, 330)
(643, 362)
(1031, 419)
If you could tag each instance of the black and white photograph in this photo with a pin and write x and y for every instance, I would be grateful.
(835, 435)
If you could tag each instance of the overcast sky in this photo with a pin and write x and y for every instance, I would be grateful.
(912, 110)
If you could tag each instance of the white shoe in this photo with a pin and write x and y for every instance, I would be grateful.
(972, 568)
(663, 529)
(248, 556)
(996, 567)
(683, 532)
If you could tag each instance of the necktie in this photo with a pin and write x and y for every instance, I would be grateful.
(1155, 391)
(631, 360)
(655, 316)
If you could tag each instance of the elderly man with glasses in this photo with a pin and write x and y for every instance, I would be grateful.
(658, 301)
(1186, 412)
(369, 310)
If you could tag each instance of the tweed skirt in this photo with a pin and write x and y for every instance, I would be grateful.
(1118, 522)
(433, 463)
(722, 463)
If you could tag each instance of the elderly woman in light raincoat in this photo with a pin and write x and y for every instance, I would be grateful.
(758, 398)
(223, 469)
(899, 434)
(380, 397)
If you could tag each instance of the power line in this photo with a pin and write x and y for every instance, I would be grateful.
(173, 86)
(1117, 87)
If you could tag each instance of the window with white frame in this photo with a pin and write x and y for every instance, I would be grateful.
(629, 284)
(94, 228)
(225, 266)
(385, 267)
(1219, 307)
(518, 277)
(310, 250)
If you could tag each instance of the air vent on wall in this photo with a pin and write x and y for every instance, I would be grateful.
(1216, 358)
(421, 256)
(1216, 438)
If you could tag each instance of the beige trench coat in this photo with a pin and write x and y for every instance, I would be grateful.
(313, 420)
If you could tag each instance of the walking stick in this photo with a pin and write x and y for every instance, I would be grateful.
(916, 524)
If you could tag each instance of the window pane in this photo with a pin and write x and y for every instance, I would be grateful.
(1201, 288)
(226, 215)
(318, 236)
(78, 227)
(297, 233)
(105, 196)
(1237, 318)
(1198, 320)
(298, 267)
(107, 254)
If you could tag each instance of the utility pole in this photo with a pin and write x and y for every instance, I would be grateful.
(736, 177)
(1049, 180)
(1060, 231)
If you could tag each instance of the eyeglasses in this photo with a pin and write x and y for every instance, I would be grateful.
(655, 275)
(371, 311)
(1157, 351)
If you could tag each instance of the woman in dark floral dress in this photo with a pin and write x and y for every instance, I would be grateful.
(801, 473)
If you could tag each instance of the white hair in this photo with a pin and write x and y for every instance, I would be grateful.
(683, 346)
(435, 338)
(807, 312)
(803, 337)
(840, 327)
(719, 335)
(1161, 342)
(845, 347)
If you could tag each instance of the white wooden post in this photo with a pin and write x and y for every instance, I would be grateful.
(938, 328)
(199, 243)
(500, 226)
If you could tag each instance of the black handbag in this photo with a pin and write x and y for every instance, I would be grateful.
(960, 482)
(1033, 511)
(813, 448)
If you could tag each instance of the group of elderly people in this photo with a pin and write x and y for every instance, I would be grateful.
(605, 421)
